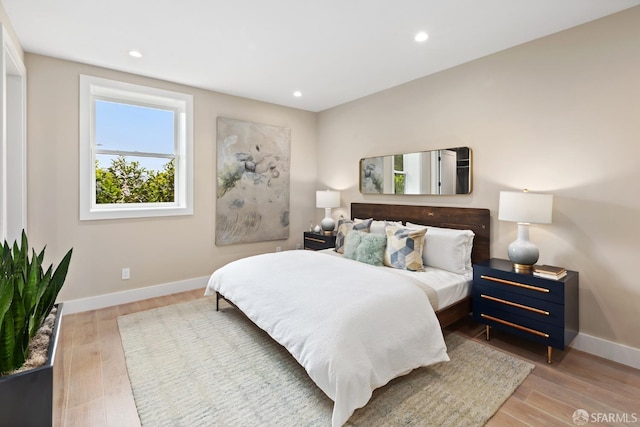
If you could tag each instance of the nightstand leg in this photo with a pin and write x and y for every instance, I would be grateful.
(486, 331)
(549, 351)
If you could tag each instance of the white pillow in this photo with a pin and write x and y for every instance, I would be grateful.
(447, 248)
(379, 227)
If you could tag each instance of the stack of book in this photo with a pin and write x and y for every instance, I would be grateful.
(549, 272)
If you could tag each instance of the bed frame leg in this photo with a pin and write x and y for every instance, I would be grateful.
(217, 301)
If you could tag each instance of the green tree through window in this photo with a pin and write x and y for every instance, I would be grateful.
(398, 174)
(129, 182)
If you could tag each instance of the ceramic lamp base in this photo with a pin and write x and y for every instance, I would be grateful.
(328, 224)
(522, 252)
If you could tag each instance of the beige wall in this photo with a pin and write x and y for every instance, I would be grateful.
(158, 250)
(558, 115)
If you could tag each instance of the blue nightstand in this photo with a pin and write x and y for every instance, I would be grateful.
(542, 310)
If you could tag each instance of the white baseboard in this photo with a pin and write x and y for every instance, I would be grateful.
(124, 297)
(608, 349)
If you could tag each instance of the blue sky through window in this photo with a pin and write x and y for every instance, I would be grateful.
(127, 127)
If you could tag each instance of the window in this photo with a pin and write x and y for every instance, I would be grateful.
(399, 174)
(136, 151)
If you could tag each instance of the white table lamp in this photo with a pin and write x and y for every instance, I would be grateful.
(327, 200)
(524, 208)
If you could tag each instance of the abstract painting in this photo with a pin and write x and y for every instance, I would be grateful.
(372, 175)
(252, 203)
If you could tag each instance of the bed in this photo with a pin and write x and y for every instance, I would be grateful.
(352, 326)
(474, 219)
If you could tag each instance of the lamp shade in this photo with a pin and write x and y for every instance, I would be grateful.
(525, 207)
(327, 199)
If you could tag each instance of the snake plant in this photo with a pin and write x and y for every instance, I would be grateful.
(27, 295)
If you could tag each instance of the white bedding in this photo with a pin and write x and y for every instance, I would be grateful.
(449, 287)
(352, 333)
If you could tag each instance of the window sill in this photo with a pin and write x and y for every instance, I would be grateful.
(133, 212)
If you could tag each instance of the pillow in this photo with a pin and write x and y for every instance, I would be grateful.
(404, 248)
(447, 248)
(378, 227)
(365, 247)
(345, 226)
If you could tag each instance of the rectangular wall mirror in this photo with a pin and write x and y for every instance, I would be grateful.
(436, 172)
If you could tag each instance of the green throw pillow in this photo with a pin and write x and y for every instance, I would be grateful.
(365, 247)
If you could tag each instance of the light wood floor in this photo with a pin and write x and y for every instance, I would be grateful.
(93, 387)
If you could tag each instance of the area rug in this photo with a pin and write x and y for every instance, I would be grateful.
(192, 366)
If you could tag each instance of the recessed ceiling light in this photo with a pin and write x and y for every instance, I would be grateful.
(135, 54)
(421, 36)
(297, 94)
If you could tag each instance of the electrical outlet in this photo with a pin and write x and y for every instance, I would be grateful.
(298, 246)
(126, 273)
(278, 248)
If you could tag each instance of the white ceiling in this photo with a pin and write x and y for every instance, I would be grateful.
(333, 51)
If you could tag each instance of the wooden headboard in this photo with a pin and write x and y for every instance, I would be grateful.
(474, 219)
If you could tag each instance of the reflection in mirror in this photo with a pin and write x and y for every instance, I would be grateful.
(446, 171)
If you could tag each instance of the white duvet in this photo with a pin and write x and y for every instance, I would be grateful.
(353, 327)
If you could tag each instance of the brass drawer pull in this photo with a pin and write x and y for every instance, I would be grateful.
(520, 285)
(315, 240)
(515, 304)
(522, 328)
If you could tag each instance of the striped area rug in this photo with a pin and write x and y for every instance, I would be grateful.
(192, 366)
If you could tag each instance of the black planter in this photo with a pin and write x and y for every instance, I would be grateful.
(26, 398)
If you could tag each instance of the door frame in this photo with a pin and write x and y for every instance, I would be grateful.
(13, 140)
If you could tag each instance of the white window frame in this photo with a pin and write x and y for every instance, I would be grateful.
(96, 88)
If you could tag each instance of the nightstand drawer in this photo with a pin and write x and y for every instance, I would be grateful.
(544, 333)
(488, 299)
(528, 286)
(315, 241)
